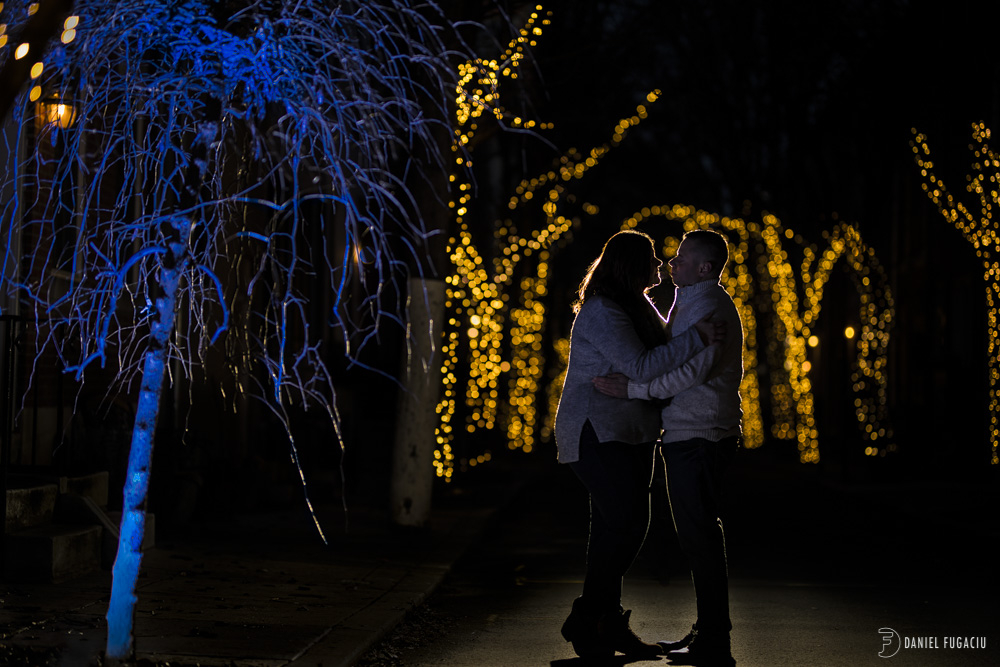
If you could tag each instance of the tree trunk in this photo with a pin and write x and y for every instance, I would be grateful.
(121, 609)
(412, 469)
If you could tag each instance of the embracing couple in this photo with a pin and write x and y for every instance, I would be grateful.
(637, 384)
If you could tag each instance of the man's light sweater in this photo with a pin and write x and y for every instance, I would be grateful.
(705, 391)
(604, 341)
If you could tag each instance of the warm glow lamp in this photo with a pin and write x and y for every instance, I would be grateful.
(57, 112)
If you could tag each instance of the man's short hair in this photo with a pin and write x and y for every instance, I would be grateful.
(713, 245)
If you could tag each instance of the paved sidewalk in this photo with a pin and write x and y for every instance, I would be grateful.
(260, 590)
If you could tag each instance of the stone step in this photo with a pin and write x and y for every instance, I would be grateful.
(81, 510)
(30, 505)
(93, 485)
(32, 498)
(52, 553)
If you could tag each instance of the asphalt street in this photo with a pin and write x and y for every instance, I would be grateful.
(818, 567)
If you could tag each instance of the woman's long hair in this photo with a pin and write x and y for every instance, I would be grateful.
(621, 274)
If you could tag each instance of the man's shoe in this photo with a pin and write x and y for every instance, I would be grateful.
(666, 647)
(614, 629)
(704, 651)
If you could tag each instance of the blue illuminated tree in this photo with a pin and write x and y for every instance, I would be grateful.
(182, 171)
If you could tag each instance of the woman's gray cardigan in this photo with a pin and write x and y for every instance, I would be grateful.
(604, 341)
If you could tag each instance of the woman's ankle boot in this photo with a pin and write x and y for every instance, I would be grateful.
(613, 628)
(581, 628)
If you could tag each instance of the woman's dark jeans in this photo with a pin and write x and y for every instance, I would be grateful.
(618, 476)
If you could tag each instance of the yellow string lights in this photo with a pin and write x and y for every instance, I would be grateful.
(474, 300)
(486, 299)
(496, 312)
(981, 229)
(796, 308)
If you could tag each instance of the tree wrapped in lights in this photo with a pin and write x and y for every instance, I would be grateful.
(497, 308)
(979, 226)
(501, 315)
(477, 297)
(217, 160)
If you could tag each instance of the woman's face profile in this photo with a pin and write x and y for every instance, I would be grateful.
(654, 270)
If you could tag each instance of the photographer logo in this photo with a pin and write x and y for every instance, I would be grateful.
(890, 643)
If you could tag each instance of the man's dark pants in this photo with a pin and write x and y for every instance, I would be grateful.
(695, 470)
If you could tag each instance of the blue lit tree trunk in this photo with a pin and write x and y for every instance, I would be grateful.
(121, 610)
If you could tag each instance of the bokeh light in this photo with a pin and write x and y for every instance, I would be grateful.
(979, 227)
(494, 361)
